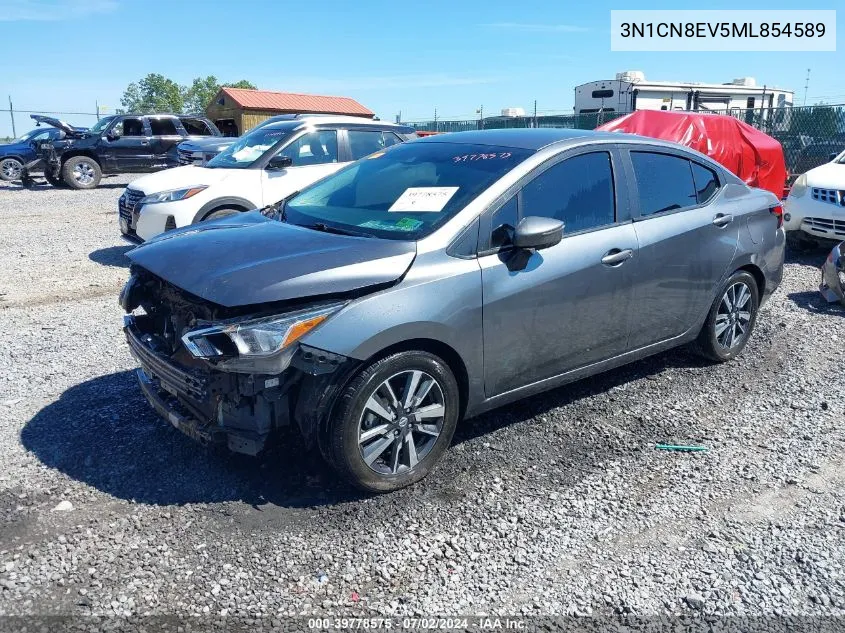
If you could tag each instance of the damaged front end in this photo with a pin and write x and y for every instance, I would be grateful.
(230, 375)
(833, 275)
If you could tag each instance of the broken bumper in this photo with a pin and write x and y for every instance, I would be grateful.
(237, 410)
(832, 285)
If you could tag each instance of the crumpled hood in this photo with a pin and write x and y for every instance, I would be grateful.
(248, 259)
(67, 128)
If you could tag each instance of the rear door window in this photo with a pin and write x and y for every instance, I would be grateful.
(365, 142)
(706, 182)
(196, 127)
(163, 127)
(664, 182)
(577, 191)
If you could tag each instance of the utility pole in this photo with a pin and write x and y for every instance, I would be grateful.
(97, 109)
(535, 113)
(435, 119)
(480, 112)
(12, 114)
(806, 86)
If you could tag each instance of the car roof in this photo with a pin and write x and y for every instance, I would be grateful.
(518, 138)
(347, 121)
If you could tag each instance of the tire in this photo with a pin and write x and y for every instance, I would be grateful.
(10, 169)
(717, 342)
(386, 460)
(81, 172)
(220, 213)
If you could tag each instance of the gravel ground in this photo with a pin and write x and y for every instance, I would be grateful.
(556, 505)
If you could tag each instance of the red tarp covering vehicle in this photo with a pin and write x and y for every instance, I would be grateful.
(755, 157)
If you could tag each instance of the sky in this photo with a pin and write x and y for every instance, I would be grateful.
(407, 57)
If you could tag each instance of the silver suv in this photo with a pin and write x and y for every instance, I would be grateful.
(441, 278)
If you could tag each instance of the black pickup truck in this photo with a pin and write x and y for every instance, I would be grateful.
(116, 144)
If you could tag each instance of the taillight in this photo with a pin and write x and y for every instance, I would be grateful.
(778, 213)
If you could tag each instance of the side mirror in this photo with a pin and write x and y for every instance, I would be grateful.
(279, 162)
(833, 156)
(537, 233)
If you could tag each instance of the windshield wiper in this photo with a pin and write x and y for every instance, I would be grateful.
(325, 228)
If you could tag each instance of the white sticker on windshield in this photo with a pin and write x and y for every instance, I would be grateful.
(423, 199)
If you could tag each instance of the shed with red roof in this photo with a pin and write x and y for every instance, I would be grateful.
(236, 110)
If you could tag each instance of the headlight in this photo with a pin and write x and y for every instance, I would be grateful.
(172, 195)
(799, 187)
(263, 345)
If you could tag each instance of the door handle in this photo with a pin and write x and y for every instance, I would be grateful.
(615, 256)
(145, 142)
(722, 219)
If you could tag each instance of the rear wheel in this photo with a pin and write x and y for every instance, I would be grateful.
(10, 169)
(220, 213)
(731, 318)
(393, 421)
(81, 172)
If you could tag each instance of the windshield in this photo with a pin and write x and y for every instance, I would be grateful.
(404, 192)
(100, 125)
(248, 149)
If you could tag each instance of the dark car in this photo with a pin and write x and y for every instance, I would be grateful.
(117, 144)
(817, 153)
(14, 155)
(440, 278)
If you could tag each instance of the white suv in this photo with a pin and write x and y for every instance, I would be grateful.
(815, 207)
(259, 169)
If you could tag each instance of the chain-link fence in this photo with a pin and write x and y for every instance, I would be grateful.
(809, 135)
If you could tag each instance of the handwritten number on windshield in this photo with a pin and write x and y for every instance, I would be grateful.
(473, 157)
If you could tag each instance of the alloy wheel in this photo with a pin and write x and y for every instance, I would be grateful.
(401, 422)
(83, 173)
(11, 169)
(733, 317)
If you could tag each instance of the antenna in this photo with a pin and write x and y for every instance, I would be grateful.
(806, 86)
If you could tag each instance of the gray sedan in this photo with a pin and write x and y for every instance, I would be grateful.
(439, 279)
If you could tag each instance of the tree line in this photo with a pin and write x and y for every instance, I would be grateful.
(157, 93)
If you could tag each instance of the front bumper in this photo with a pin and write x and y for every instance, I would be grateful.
(207, 406)
(237, 410)
(823, 220)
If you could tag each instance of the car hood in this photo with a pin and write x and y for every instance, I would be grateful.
(67, 128)
(250, 259)
(10, 148)
(827, 176)
(179, 177)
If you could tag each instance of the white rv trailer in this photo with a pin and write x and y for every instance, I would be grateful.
(631, 91)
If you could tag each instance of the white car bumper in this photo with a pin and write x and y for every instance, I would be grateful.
(153, 219)
(817, 215)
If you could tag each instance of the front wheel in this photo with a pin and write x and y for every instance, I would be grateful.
(10, 169)
(393, 421)
(81, 172)
(731, 318)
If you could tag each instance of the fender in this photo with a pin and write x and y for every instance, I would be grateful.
(225, 201)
